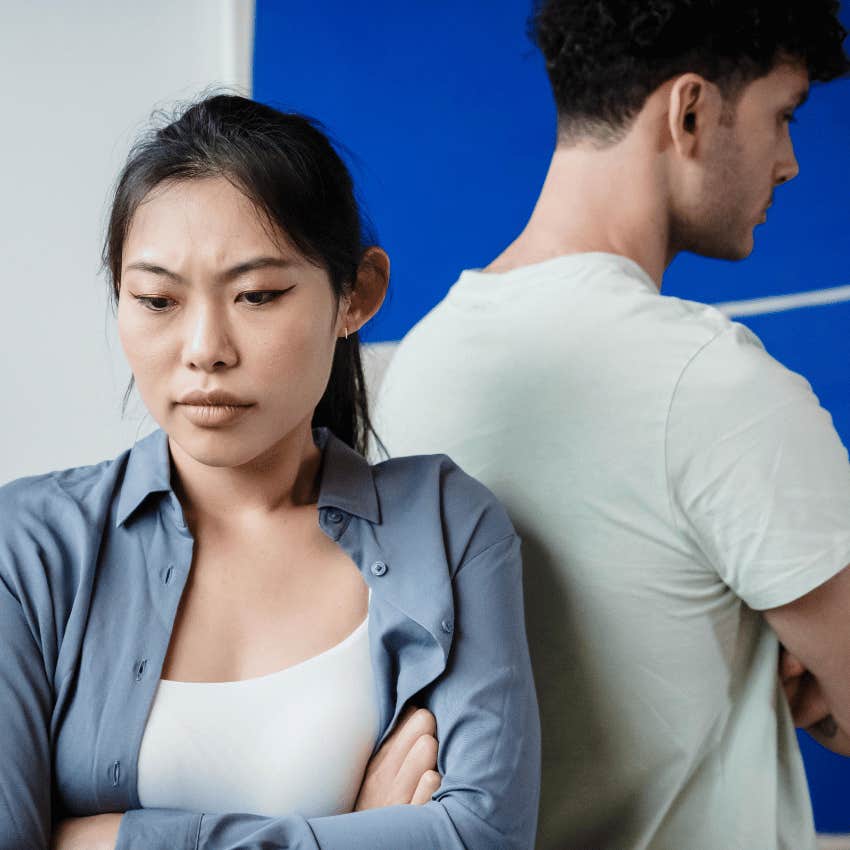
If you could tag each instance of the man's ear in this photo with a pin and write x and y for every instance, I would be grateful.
(695, 105)
(368, 292)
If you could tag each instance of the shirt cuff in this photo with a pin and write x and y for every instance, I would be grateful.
(150, 829)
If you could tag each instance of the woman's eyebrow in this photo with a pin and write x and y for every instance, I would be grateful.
(227, 275)
(256, 264)
(153, 268)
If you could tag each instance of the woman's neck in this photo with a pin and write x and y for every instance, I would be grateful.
(286, 475)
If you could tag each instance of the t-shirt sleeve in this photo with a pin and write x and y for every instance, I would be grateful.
(757, 475)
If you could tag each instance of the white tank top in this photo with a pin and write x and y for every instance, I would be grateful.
(292, 742)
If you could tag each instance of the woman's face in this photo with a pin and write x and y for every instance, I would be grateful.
(229, 331)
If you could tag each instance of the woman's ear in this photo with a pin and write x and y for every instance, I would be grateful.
(694, 107)
(367, 294)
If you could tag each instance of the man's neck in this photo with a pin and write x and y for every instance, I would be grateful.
(609, 200)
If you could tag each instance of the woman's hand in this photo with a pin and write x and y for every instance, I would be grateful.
(99, 832)
(404, 770)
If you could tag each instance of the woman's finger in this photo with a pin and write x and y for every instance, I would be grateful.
(421, 758)
(396, 749)
(386, 783)
(428, 785)
(378, 761)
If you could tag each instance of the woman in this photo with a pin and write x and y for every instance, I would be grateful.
(231, 617)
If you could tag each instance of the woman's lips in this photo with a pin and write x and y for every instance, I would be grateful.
(212, 397)
(211, 415)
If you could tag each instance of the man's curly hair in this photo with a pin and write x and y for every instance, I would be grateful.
(605, 57)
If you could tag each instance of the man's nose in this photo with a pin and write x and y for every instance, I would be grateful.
(788, 167)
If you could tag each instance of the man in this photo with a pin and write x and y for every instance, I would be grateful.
(679, 492)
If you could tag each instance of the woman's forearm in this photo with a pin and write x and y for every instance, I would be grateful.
(98, 832)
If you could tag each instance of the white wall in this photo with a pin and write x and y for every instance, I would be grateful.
(80, 80)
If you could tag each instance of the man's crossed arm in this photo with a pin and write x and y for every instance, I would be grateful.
(815, 664)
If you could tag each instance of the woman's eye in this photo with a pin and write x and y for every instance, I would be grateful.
(157, 303)
(257, 298)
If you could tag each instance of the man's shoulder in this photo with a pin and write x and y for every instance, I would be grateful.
(732, 359)
(701, 318)
(653, 333)
(557, 299)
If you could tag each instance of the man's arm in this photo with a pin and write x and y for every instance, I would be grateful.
(808, 706)
(760, 483)
(815, 629)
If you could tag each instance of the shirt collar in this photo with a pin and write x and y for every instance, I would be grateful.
(346, 477)
(347, 481)
(148, 471)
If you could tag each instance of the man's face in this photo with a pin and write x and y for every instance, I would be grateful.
(745, 159)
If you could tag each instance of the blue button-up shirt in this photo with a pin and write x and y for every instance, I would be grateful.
(93, 562)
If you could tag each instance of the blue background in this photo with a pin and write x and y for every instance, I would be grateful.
(448, 125)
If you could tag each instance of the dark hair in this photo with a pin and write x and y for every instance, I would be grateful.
(605, 57)
(286, 165)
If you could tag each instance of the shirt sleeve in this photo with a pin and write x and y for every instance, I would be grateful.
(489, 748)
(25, 708)
(758, 477)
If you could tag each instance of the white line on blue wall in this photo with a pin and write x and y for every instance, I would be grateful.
(780, 303)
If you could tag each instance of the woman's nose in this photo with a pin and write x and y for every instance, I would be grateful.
(208, 345)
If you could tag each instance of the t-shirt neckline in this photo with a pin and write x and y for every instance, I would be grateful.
(545, 269)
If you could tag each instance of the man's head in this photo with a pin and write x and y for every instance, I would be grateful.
(725, 76)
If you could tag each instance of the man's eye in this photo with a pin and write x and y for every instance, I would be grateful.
(157, 303)
(790, 118)
(258, 298)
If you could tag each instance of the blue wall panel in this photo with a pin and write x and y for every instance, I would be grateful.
(448, 121)
(445, 109)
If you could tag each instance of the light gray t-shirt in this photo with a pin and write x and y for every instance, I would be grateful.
(670, 479)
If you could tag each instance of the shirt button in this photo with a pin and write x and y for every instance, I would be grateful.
(379, 568)
(334, 517)
(446, 626)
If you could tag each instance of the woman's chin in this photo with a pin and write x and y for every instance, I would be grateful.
(214, 448)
